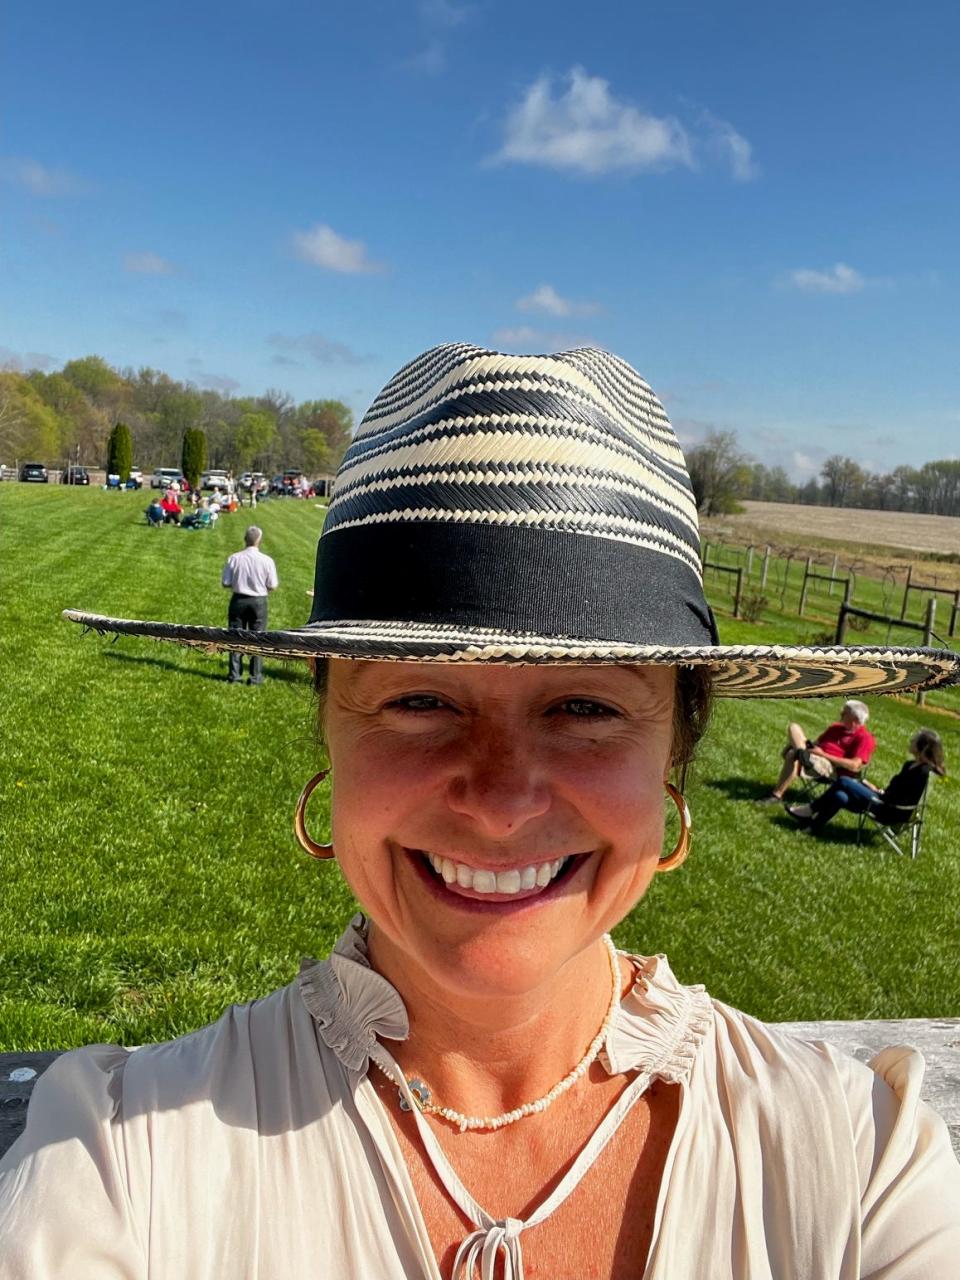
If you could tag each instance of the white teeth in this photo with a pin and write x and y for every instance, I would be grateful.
(516, 880)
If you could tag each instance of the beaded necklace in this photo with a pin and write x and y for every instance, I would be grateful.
(422, 1096)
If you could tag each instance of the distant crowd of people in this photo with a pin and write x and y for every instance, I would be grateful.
(201, 509)
(191, 508)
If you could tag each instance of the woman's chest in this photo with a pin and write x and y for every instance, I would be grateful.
(601, 1231)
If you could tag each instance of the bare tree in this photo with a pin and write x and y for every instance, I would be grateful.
(719, 473)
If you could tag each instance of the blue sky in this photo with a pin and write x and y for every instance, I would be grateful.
(756, 204)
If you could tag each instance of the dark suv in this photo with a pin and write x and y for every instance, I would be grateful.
(75, 475)
(34, 471)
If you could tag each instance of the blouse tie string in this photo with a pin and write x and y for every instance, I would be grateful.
(501, 1239)
(487, 1244)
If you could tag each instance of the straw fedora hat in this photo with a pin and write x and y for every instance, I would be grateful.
(529, 509)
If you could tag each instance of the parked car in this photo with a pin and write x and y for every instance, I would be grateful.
(33, 473)
(164, 477)
(75, 475)
(288, 482)
(216, 479)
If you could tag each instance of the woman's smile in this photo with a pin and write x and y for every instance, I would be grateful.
(457, 881)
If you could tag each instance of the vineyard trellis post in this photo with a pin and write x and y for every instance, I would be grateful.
(906, 590)
(766, 565)
(928, 636)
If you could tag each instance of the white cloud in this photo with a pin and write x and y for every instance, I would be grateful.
(148, 264)
(585, 130)
(324, 350)
(730, 147)
(803, 466)
(526, 338)
(322, 247)
(516, 336)
(40, 180)
(546, 301)
(443, 13)
(437, 19)
(836, 279)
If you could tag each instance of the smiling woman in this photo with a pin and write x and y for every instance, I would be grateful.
(515, 661)
(555, 773)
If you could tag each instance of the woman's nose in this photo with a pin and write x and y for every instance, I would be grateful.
(500, 785)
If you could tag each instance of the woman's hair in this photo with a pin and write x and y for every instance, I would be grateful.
(929, 750)
(691, 707)
(692, 704)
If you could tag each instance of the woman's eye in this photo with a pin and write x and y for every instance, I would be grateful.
(587, 709)
(417, 702)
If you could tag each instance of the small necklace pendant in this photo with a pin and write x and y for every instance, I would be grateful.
(421, 1095)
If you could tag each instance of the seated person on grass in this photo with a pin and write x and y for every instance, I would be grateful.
(895, 803)
(172, 510)
(842, 750)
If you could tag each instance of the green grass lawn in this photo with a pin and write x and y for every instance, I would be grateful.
(149, 871)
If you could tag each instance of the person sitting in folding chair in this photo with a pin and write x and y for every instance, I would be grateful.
(155, 513)
(842, 750)
(894, 804)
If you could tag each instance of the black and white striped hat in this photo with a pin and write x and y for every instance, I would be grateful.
(528, 509)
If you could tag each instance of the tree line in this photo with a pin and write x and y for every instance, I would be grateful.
(722, 476)
(68, 416)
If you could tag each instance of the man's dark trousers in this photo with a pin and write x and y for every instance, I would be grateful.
(246, 613)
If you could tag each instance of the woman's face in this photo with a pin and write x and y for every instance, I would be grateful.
(542, 784)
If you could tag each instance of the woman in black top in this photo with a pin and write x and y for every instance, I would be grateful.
(895, 803)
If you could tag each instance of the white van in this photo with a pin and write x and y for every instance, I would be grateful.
(164, 477)
(216, 480)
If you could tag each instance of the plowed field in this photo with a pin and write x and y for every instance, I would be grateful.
(786, 522)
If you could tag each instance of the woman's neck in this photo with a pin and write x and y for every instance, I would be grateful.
(485, 1055)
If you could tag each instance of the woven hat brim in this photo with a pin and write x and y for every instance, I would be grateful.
(740, 671)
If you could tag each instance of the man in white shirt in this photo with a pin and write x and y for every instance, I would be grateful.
(251, 576)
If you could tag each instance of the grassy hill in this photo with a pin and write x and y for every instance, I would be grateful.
(149, 871)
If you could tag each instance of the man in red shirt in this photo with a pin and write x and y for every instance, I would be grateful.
(842, 750)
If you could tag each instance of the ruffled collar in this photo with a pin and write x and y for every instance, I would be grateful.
(657, 1029)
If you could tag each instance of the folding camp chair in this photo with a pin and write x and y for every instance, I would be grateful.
(899, 831)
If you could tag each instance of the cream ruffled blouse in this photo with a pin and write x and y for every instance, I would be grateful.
(258, 1149)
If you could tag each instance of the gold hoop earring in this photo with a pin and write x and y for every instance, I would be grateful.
(682, 847)
(319, 851)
